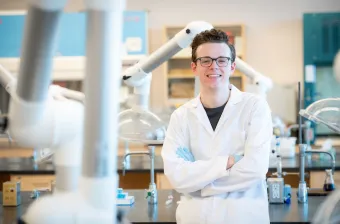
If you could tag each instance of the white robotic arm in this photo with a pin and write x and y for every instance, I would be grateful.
(260, 84)
(8, 81)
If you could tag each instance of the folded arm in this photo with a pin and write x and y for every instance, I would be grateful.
(253, 167)
(186, 176)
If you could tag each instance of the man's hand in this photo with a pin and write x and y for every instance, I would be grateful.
(233, 159)
(185, 154)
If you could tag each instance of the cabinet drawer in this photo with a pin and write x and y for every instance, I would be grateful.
(31, 182)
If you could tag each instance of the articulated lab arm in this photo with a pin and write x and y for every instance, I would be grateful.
(36, 119)
(42, 116)
(8, 81)
(260, 84)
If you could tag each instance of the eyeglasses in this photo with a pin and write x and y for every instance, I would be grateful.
(207, 61)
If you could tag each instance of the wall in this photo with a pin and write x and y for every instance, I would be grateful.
(274, 35)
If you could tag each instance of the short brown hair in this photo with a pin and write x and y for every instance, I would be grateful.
(211, 36)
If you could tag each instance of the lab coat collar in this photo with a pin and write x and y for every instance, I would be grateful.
(235, 97)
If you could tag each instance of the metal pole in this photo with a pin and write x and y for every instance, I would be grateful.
(300, 117)
(302, 162)
(152, 163)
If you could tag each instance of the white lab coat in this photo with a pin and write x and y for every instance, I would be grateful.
(213, 194)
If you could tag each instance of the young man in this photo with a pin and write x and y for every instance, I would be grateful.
(216, 151)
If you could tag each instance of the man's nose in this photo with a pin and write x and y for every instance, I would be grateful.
(214, 64)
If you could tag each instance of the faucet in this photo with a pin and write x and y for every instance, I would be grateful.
(41, 157)
(152, 191)
(306, 126)
(302, 189)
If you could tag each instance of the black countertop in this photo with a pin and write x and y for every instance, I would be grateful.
(142, 164)
(141, 212)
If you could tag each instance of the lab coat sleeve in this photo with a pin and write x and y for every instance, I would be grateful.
(253, 167)
(184, 176)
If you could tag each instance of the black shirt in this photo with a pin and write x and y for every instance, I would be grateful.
(214, 115)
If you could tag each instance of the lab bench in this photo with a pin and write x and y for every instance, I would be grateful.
(137, 176)
(33, 176)
(142, 212)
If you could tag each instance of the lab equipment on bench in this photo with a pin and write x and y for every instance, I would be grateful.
(329, 181)
(278, 126)
(169, 200)
(327, 112)
(11, 193)
(35, 193)
(287, 147)
(276, 190)
(287, 193)
(151, 193)
(307, 132)
(302, 188)
(303, 148)
(276, 184)
(276, 156)
(141, 126)
(279, 166)
(123, 198)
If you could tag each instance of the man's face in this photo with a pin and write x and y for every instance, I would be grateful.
(215, 75)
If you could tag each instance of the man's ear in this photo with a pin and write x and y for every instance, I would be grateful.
(193, 67)
(233, 67)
